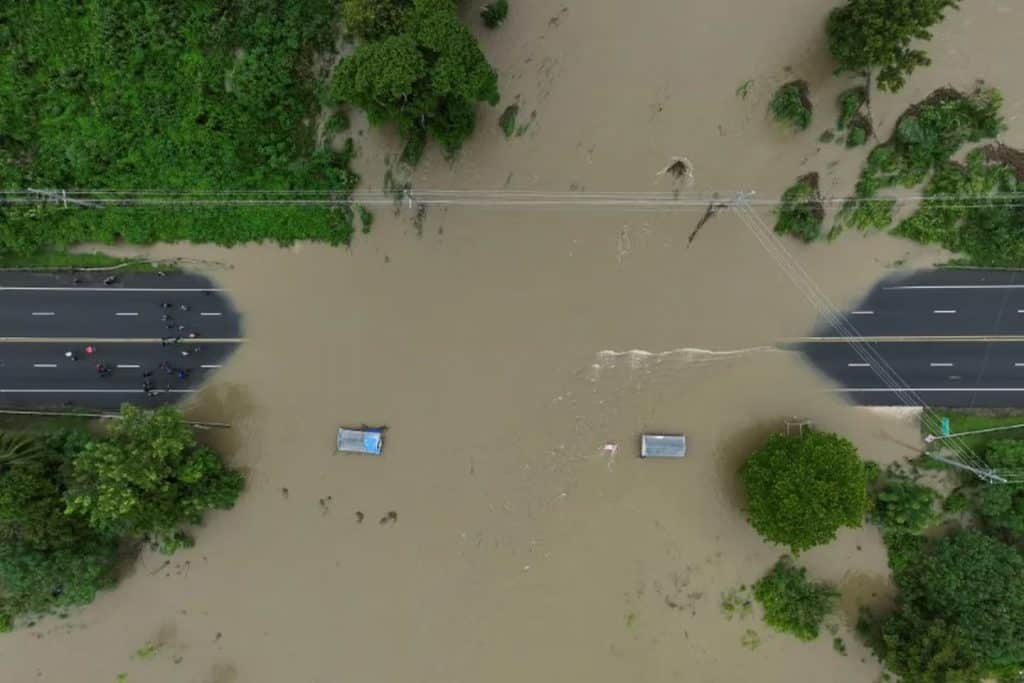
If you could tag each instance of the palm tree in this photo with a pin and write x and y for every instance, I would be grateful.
(19, 448)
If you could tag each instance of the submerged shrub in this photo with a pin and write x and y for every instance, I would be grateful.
(507, 120)
(494, 13)
(801, 212)
(792, 603)
(791, 105)
(928, 134)
(850, 103)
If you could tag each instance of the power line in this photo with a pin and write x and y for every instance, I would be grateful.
(468, 198)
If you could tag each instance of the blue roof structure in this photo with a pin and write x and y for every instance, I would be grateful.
(366, 441)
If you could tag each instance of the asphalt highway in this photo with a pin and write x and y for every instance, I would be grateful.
(954, 337)
(82, 340)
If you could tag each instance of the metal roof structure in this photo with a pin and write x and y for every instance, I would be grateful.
(662, 446)
(367, 441)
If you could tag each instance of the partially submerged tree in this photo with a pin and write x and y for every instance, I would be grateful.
(792, 603)
(149, 479)
(801, 212)
(802, 489)
(426, 79)
(865, 35)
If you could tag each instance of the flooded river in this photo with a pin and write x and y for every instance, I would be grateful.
(505, 349)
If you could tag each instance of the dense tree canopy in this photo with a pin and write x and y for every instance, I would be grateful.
(1001, 508)
(903, 507)
(864, 35)
(802, 489)
(149, 478)
(427, 79)
(74, 498)
(48, 559)
(958, 613)
(375, 19)
(165, 94)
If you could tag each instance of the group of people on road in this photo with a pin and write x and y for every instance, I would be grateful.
(173, 372)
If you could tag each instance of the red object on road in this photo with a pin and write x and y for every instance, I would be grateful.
(89, 350)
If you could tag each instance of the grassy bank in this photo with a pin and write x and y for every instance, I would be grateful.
(963, 421)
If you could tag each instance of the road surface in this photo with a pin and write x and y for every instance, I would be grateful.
(956, 337)
(156, 338)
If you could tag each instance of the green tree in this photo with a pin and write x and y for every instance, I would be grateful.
(864, 35)
(793, 604)
(48, 559)
(801, 212)
(791, 105)
(904, 507)
(1001, 507)
(957, 617)
(375, 19)
(149, 478)
(427, 80)
(802, 489)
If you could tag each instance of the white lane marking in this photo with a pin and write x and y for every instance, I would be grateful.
(109, 289)
(209, 367)
(944, 310)
(957, 287)
(136, 340)
(858, 365)
(95, 391)
(44, 365)
(210, 313)
(1018, 365)
(862, 312)
(1020, 310)
(127, 366)
(43, 313)
(127, 313)
(941, 365)
(886, 390)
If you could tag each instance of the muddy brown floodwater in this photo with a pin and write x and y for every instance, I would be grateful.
(504, 349)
